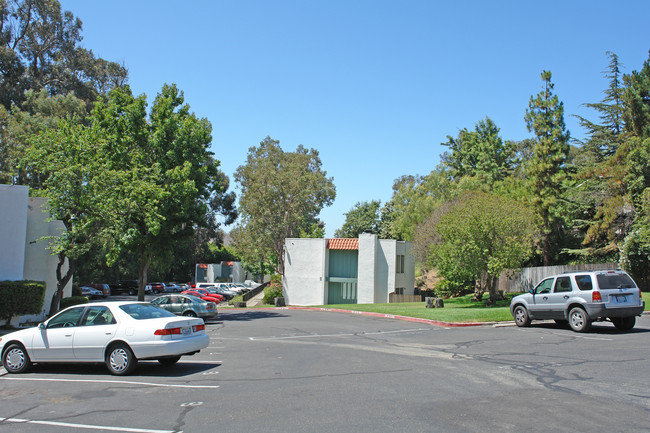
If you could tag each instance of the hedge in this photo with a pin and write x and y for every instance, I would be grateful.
(18, 298)
(72, 300)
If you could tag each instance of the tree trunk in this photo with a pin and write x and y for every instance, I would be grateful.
(478, 291)
(61, 281)
(145, 261)
(492, 287)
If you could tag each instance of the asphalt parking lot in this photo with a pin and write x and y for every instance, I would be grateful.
(286, 370)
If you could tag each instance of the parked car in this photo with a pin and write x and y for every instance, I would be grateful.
(186, 305)
(125, 286)
(228, 294)
(233, 288)
(205, 295)
(105, 288)
(173, 288)
(579, 298)
(115, 333)
(91, 292)
(157, 288)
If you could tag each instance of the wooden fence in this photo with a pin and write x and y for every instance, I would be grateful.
(392, 297)
(527, 278)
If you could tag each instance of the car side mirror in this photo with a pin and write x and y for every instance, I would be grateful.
(41, 325)
(531, 291)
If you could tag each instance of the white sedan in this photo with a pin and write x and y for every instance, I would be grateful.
(115, 333)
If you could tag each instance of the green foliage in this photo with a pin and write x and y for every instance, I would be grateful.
(480, 154)
(546, 168)
(73, 300)
(20, 298)
(282, 194)
(364, 217)
(273, 290)
(475, 238)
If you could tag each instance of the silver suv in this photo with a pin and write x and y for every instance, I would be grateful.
(580, 298)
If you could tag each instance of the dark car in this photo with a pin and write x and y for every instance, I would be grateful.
(125, 286)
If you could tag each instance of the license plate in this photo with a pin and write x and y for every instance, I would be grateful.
(186, 331)
(620, 298)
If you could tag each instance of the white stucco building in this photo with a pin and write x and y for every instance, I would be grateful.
(354, 271)
(22, 255)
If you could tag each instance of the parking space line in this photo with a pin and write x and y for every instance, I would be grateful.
(85, 426)
(290, 337)
(125, 382)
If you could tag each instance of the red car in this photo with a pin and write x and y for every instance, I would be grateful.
(203, 294)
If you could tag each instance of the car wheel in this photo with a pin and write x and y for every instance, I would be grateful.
(120, 360)
(132, 292)
(189, 313)
(578, 320)
(15, 359)
(624, 323)
(521, 316)
(169, 361)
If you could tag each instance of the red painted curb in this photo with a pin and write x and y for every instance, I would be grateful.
(384, 316)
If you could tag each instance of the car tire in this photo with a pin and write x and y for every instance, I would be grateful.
(624, 323)
(120, 360)
(15, 359)
(579, 320)
(522, 319)
(169, 361)
(133, 292)
(189, 313)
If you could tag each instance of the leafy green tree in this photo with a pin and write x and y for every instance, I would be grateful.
(362, 218)
(161, 177)
(546, 169)
(65, 157)
(40, 50)
(282, 194)
(481, 153)
(475, 238)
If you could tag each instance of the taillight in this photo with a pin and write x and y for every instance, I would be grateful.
(198, 328)
(595, 296)
(170, 331)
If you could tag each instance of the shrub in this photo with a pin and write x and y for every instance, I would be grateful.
(72, 300)
(273, 290)
(21, 297)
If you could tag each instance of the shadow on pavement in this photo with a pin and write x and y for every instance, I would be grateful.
(242, 315)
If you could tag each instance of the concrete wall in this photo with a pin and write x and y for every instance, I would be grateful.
(367, 276)
(385, 270)
(305, 271)
(23, 255)
(13, 229)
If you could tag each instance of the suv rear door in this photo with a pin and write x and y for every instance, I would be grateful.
(559, 297)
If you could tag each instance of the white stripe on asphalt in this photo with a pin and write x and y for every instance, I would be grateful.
(164, 385)
(336, 335)
(85, 426)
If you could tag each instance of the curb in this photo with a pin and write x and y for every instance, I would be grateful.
(381, 315)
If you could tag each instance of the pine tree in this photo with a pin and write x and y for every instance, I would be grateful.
(546, 168)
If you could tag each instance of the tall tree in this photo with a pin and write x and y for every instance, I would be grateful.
(546, 169)
(362, 218)
(481, 153)
(474, 238)
(282, 194)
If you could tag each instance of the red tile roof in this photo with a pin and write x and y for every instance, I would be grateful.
(343, 244)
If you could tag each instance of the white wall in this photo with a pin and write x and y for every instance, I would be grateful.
(406, 279)
(305, 271)
(13, 227)
(386, 270)
(367, 276)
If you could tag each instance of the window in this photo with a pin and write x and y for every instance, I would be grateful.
(584, 282)
(66, 318)
(98, 316)
(399, 266)
(544, 286)
(563, 284)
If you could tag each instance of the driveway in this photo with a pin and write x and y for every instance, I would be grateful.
(302, 371)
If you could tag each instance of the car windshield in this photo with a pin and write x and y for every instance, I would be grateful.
(615, 281)
(145, 311)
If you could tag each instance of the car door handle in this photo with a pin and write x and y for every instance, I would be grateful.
(566, 296)
(545, 298)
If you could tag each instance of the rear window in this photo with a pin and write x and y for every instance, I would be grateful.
(584, 282)
(615, 281)
(145, 311)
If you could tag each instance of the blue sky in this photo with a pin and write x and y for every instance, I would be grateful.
(374, 86)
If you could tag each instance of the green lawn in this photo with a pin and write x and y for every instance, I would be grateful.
(456, 310)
